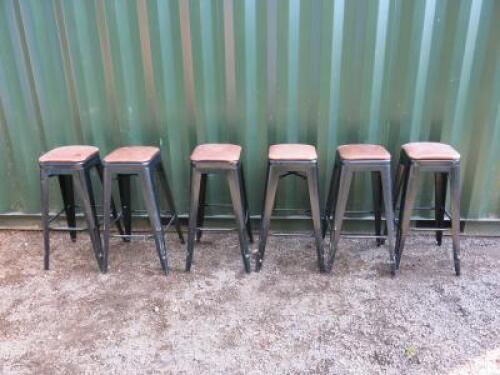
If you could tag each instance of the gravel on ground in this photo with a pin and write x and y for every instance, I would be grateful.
(288, 318)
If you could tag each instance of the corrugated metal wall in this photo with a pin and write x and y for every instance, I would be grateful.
(176, 73)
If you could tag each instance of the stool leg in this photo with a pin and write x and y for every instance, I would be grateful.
(269, 196)
(84, 189)
(113, 206)
(237, 199)
(389, 214)
(377, 204)
(245, 204)
(193, 214)
(126, 203)
(107, 180)
(151, 200)
(170, 201)
(200, 217)
(398, 183)
(340, 206)
(406, 208)
(455, 215)
(44, 187)
(440, 180)
(68, 196)
(313, 185)
(332, 196)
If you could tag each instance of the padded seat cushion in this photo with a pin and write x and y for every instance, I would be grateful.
(132, 154)
(216, 152)
(430, 151)
(69, 154)
(288, 151)
(363, 152)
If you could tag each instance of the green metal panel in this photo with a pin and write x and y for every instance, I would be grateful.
(175, 73)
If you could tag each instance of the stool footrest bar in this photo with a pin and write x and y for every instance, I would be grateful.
(362, 236)
(430, 229)
(113, 221)
(215, 229)
(66, 229)
(56, 215)
(280, 234)
(216, 205)
(131, 236)
(167, 221)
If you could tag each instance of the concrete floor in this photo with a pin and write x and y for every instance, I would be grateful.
(286, 319)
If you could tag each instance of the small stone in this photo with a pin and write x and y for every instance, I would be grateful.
(410, 352)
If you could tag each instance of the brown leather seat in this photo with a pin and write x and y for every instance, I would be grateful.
(288, 151)
(363, 152)
(69, 154)
(132, 154)
(430, 151)
(216, 152)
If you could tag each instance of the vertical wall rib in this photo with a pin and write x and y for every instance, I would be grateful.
(176, 73)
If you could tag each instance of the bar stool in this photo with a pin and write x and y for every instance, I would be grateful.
(360, 158)
(285, 160)
(72, 165)
(141, 161)
(444, 161)
(218, 159)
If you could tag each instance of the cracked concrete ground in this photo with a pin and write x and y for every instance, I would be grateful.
(286, 319)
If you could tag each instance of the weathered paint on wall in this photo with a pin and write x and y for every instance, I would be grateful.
(177, 73)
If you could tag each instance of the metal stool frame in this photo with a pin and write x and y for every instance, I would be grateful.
(277, 169)
(234, 175)
(146, 173)
(407, 178)
(338, 195)
(74, 176)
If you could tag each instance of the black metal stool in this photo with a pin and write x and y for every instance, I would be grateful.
(361, 158)
(216, 159)
(72, 165)
(284, 160)
(142, 161)
(442, 160)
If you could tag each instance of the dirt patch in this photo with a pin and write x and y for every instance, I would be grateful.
(286, 319)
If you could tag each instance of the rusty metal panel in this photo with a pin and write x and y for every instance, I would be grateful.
(176, 73)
